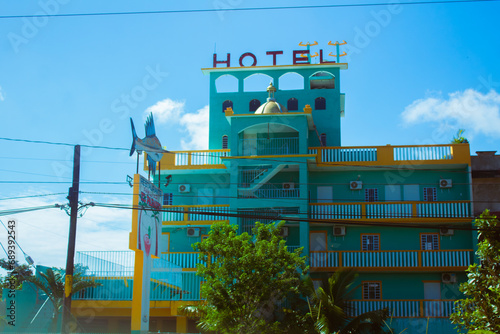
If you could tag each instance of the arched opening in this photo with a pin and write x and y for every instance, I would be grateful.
(226, 84)
(320, 103)
(292, 104)
(322, 80)
(256, 83)
(268, 139)
(291, 81)
(227, 104)
(225, 142)
(254, 105)
(323, 139)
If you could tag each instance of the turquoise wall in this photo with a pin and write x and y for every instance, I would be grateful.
(339, 180)
(327, 121)
(392, 238)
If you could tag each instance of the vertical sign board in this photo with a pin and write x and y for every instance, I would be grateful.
(145, 240)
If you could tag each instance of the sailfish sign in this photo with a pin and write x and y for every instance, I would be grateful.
(149, 144)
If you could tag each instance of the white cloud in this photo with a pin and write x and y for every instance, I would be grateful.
(2, 97)
(196, 124)
(470, 110)
(43, 234)
(166, 111)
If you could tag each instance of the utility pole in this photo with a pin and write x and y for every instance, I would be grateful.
(73, 204)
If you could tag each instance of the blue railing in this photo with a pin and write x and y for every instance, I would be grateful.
(271, 146)
(349, 154)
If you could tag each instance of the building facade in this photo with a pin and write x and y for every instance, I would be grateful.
(400, 215)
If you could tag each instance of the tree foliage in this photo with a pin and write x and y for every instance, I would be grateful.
(52, 281)
(330, 308)
(480, 310)
(459, 138)
(16, 274)
(246, 281)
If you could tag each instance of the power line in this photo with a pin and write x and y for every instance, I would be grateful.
(346, 200)
(31, 196)
(60, 143)
(254, 158)
(310, 220)
(209, 10)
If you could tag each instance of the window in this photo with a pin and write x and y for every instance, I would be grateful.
(320, 103)
(430, 194)
(429, 241)
(323, 139)
(227, 104)
(372, 290)
(254, 104)
(322, 80)
(167, 199)
(224, 142)
(371, 195)
(292, 104)
(370, 242)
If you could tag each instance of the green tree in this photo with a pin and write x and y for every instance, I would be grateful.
(16, 274)
(480, 310)
(51, 282)
(330, 307)
(247, 279)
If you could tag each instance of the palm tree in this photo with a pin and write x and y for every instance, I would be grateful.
(51, 282)
(330, 307)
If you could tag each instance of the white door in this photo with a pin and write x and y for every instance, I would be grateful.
(206, 196)
(432, 290)
(317, 245)
(325, 194)
(411, 192)
(393, 193)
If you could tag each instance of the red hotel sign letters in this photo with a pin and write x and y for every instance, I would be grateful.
(299, 57)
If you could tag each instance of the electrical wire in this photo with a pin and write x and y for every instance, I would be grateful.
(312, 220)
(31, 196)
(23, 210)
(254, 158)
(60, 143)
(209, 10)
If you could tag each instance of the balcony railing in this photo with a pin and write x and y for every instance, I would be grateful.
(204, 159)
(271, 146)
(418, 308)
(271, 190)
(391, 210)
(401, 260)
(195, 212)
(390, 155)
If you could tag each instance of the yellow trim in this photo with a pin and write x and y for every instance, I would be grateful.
(181, 324)
(385, 156)
(206, 70)
(271, 156)
(137, 291)
(168, 160)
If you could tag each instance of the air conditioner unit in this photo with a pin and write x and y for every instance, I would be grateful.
(284, 232)
(448, 278)
(184, 188)
(356, 185)
(288, 185)
(445, 183)
(338, 230)
(446, 231)
(193, 232)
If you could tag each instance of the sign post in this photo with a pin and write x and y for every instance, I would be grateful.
(145, 241)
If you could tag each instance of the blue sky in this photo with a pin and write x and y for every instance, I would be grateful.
(417, 74)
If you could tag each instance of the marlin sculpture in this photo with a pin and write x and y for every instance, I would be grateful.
(150, 144)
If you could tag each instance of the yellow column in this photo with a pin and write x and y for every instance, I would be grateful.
(137, 293)
(181, 324)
